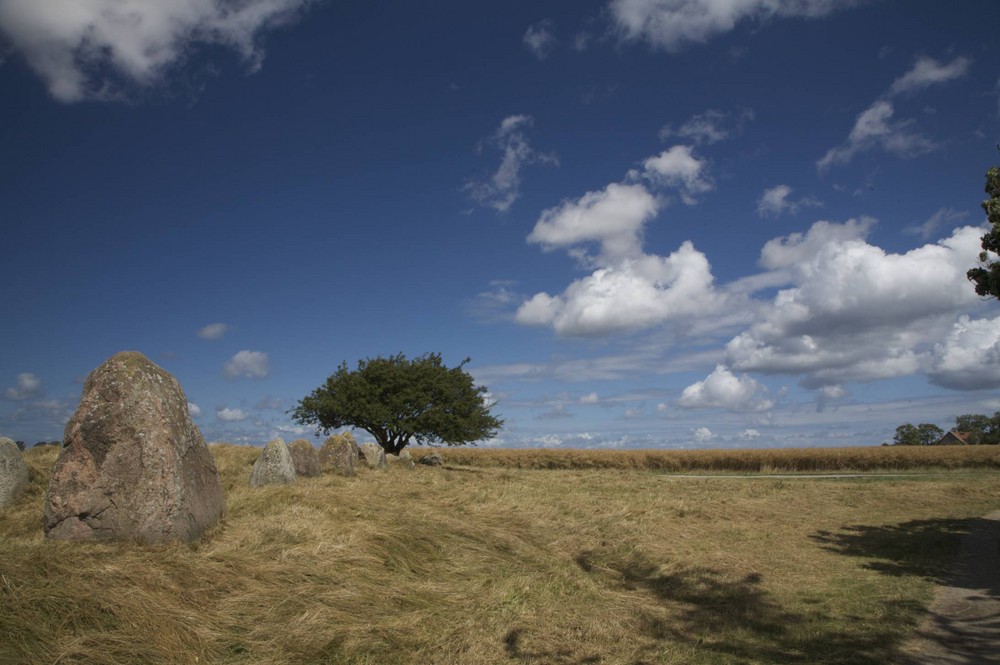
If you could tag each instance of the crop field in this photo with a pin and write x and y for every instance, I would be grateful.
(483, 562)
(797, 460)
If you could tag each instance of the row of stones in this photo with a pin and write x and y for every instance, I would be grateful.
(280, 463)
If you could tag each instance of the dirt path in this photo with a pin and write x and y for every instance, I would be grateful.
(963, 627)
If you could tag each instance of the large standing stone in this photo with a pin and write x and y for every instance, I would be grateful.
(339, 454)
(274, 466)
(133, 465)
(374, 456)
(304, 458)
(13, 472)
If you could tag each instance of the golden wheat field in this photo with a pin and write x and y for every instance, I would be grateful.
(479, 562)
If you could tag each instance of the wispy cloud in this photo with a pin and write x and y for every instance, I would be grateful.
(777, 201)
(875, 128)
(538, 39)
(99, 49)
(214, 331)
(672, 25)
(940, 219)
(709, 127)
(927, 72)
(500, 190)
(28, 386)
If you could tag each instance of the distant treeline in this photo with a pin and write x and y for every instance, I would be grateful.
(970, 428)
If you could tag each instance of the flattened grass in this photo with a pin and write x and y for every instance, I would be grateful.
(461, 565)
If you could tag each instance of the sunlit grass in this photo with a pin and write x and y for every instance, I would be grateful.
(496, 565)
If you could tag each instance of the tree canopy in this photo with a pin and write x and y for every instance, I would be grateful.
(987, 276)
(979, 428)
(924, 434)
(397, 400)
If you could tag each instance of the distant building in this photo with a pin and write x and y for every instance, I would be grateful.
(955, 438)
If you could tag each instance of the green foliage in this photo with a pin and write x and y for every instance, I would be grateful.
(980, 429)
(396, 399)
(987, 276)
(924, 434)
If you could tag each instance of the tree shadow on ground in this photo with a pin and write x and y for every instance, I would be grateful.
(924, 548)
(733, 620)
(963, 625)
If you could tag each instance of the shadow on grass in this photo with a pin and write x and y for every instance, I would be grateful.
(722, 619)
(924, 548)
(561, 656)
(963, 625)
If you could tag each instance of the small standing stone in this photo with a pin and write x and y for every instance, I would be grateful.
(304, 458)
(339, 454)
(403, 459)
(434, 459)
(274, 466)
(13, 472)
(374, 456)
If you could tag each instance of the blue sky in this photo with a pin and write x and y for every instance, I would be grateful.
(650, 223)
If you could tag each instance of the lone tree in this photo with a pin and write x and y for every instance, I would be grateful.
(395, 400)
(987, 276)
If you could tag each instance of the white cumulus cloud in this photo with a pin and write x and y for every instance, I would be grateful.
(613, 217)
(228, 415)
(630, 295)
(92, 49)
(628, 289)
(969, 357)
(247, 364)
(703, 434)
(194, 409)
(854, 312)
(723, 389)
(678, 168)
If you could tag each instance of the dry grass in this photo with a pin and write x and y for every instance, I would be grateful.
(460, 565)
(877, 458)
